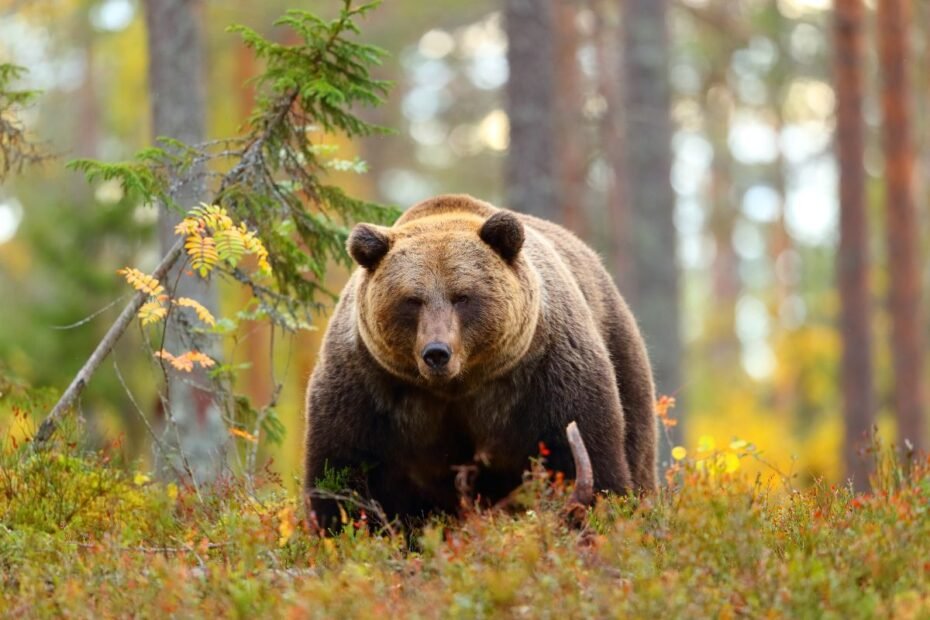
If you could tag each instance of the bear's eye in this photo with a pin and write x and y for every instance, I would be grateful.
(412, 302)
(459, 300)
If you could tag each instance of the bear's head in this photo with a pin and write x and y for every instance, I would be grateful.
(448, 300)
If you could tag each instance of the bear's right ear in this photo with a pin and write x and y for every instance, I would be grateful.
(504, 233)
(368, 244)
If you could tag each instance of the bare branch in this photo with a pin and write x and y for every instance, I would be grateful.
(91, 317)
(584, 476)
(248, 160)
(583, 495)
(51, 421)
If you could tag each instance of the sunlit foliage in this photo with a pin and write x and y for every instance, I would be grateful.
(16, 148)
(83, 534)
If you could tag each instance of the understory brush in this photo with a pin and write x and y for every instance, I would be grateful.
(84, 534)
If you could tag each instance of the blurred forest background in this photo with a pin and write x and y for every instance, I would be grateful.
(750, 170)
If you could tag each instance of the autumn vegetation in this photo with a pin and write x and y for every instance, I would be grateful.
(103, 511)
(87, 534)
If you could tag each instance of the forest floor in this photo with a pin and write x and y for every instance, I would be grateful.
(82, 536)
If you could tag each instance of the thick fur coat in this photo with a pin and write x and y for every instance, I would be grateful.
(468, 335)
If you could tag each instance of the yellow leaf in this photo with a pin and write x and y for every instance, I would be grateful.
(139, 479)
(213, 216)
(286, 525)
(706, 443)
(679, 453)
(187, 226)
(202, 313)
(255, 246)
(202, 252)
(151, 312)
(330, 547)
(141, 281)
(738, 444)
(172, 491)
(230, 245)
(730, 462)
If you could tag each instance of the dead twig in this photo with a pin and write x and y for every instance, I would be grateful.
(351, 498)
(582, 496)
(250, 156)
(465, 476)
(164, 550)
(52, 420)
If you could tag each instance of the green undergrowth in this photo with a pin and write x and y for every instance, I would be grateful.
(83, 535)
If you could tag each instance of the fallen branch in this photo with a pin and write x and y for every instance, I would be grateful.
(583, 494)
(251, 157)
(52, 420)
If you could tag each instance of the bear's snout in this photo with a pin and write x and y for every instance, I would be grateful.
(437, 355)
(438, 350)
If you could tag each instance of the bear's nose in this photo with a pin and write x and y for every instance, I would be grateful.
(437, 355)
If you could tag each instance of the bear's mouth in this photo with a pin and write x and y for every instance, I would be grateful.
(439, 375)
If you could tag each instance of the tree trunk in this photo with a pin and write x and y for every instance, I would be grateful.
(569, 135)
(652, 201)
(255, 335)
(530, 182)
(620, 238)
(902, 224)
(853, 254)
(176, 85)
(723, 343)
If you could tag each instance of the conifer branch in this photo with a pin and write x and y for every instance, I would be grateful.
(277, 177)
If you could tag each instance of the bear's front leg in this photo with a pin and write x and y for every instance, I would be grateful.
(342, 438)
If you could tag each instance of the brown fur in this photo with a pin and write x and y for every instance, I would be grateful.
(538, 335)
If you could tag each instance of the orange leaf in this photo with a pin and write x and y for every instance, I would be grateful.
(202, 313)
(238, 432)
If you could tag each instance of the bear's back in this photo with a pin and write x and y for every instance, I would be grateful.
(446, 204)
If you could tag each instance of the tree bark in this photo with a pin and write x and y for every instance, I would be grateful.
(620, 239)
(569, 134)
(852, 267)
(652, 201)
(902, 224)
(176, 86)
(723, 343)
(530, 181)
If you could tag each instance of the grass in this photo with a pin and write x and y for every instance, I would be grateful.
(83, 536)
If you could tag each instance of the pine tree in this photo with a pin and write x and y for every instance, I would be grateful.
(853, 254)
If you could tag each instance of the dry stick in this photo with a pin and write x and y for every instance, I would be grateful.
(584, 477)
(162, 449)
(575, 511)
(51, 421)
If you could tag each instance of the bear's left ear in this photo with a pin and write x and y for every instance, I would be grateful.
(504, 233)
(368, 244)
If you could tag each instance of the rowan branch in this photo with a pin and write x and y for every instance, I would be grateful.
(251, 157)
(279, 126)
(80, 381)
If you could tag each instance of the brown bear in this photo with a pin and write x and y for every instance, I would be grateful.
(468, 335)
